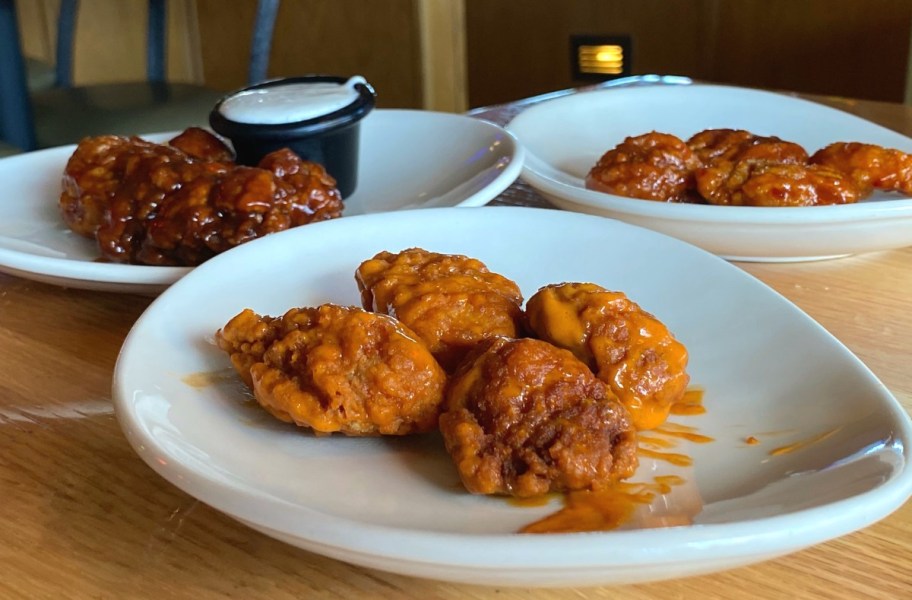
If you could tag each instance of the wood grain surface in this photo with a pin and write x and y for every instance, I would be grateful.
(82, 516)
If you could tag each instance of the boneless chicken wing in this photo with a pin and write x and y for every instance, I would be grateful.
(654, 166)
(869, 165)
(452, 302)
(760, 183)
(525, 418)
(217, 209)
(201, 144)
(337, 369)
(712, 145)
(743, 169)
(183, 202)
(628, 348)
(93, 175)
(719, 146)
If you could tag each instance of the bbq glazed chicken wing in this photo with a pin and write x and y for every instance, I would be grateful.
(869, 166)
(715, 147)
(452, 302)
(215, 209)
(711, 145)
(759, 183)
(337, 369)
(743, 169)
(525, 418)
(627, 348)
(654, 166)
(156, 204)
(94, 174)
(201, 144)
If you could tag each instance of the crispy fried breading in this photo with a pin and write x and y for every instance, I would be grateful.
(452, 302)
(654, 166)
(525, 418)
(337, 369)
(628, 348)
(760, 183)
(869, 165)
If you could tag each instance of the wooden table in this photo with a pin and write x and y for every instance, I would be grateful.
(81, 516)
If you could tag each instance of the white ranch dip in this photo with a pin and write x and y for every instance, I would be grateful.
(290, 103)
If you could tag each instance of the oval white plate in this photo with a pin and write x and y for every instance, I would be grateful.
(396, 504)
(409, 159)
(566, 136)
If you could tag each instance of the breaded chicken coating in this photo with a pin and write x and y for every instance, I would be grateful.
(627, 348)
(201, 144)
(337, 369)
(654, 166)
(869, 165)
(759, 183)
(525, 418)
(717, 146)
(452, 302)
(156, 204)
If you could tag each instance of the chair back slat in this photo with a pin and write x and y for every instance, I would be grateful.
(262, 40)
(15, 108)
(16, 119)
(66, 36)
(156, 43)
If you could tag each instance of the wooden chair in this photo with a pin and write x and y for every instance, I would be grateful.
(65, 113)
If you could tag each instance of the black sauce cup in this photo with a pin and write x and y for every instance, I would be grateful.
(331, 139)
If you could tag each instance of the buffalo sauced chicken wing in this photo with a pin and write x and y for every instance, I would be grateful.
(452, 302)
(525, 418)
(627, 348)
(337, 369)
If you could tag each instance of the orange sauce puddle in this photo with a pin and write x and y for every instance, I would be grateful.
(601, 510)
(690, 404)
(788, 449)
(203, 379)
(656, 442)
(679, 460)
(667, 481)
(684, 432)
(604, 510)
(607, 509)
(751, 440)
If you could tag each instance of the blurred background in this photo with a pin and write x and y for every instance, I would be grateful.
(457, 54)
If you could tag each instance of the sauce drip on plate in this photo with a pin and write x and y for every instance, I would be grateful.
(659, 503)
(601, 510)
(203, 379)
(788, 449)
(690, 404)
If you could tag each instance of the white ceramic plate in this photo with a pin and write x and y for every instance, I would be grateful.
(565, 137)
(768, 370)
(409, 159)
